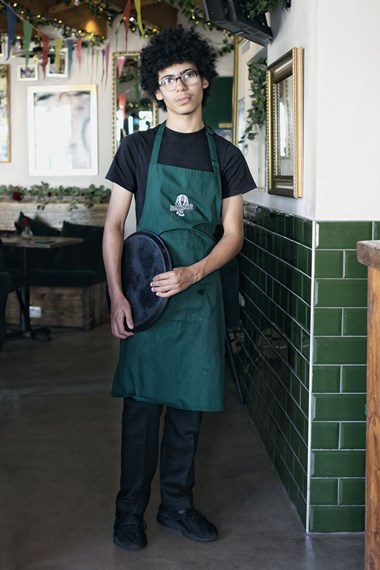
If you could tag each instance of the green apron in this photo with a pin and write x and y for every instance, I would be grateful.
(179, 361)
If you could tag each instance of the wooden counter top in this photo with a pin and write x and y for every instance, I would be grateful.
(368, 253)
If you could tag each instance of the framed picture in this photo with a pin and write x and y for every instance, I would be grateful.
(3, 46)
(62, 130)
(240, 125)
(29, 73)
(285, 125)
(5, 115)
(57, 68)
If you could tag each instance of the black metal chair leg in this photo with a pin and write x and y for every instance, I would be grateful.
(231, 362)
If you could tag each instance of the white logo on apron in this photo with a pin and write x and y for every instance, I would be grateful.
(181, 204)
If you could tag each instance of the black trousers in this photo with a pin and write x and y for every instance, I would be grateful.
(139, 455)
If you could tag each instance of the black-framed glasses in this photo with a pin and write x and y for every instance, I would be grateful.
(188, 77)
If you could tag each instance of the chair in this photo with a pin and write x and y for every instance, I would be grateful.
(5, 287)
(15, 282)
(230, 286)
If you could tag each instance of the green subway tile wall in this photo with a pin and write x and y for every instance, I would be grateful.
(289, 336)
(339, 379)
(274, 360)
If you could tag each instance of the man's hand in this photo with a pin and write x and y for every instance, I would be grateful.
(172, 282)
(121, 314)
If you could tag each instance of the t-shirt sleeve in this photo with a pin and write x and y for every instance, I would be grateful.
(235, 173)
(123, 167)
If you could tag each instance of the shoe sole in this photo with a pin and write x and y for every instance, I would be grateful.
(130, 546)
(170, 523)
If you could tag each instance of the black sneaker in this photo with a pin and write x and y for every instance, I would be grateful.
(129, 531)
(190, 523)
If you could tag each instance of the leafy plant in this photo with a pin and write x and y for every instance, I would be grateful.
(254, 8)
(256, 115)
(43, 194)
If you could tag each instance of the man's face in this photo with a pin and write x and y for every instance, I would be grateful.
(182, 88)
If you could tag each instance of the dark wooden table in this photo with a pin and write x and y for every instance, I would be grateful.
(27, 244)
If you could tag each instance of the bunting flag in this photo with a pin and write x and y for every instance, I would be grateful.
(45, 52)
(126, 16)
(27, 27)
(79, 50)
(117, 37)
(120, 64)
(70, 47)
(107, 56)
(11, 25)
(139, 20)
(57, 50)
(103, 52)
(122, 101)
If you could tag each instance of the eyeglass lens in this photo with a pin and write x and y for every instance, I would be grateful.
(188, 77)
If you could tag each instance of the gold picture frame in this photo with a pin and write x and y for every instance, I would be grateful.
(285, 125)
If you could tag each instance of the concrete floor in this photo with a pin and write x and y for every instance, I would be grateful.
(59, 469)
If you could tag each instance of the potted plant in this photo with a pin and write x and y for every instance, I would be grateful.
(253, 8)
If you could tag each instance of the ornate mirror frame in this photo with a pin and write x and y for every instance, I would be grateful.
(285, 125)
(132, 109)
(5, 114)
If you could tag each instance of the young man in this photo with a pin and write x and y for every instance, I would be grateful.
(179, 361)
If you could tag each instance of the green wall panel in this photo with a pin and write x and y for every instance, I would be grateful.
(283, 325)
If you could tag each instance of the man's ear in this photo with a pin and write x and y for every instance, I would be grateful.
(159, 96)
(205, 83)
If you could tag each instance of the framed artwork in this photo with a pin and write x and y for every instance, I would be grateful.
(240, 124)
(29, 73)
(62, 130)
(57, 68)
(285, 125)
(5, 121)
(3, 46)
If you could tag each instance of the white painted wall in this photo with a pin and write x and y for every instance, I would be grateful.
(16, 172)
(296, 28)
(347, 175)
(341, 108)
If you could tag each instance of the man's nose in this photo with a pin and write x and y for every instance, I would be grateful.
(181, 85)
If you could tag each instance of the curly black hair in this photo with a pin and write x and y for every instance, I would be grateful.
(171, 46)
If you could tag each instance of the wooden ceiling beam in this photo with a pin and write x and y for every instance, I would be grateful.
(80, 18)
(158, 15)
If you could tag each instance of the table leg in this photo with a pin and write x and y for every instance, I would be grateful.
(23, 297)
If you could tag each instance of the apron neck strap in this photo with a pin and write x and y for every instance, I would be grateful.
(212, 148)
(210, 141)
(157, 143)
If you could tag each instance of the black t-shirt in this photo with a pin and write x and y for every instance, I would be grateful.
(130, 165)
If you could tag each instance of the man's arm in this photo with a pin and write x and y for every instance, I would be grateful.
(113, 240)
(173, 282)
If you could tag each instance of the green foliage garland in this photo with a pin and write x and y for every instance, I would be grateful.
(44, 194)
(254, 8)
(102, 9)
(256, 114)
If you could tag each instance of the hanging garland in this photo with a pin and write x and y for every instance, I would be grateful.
(98, 8)
(39, 21)
(101, 9)
(197, 17)
(256, 115)
(253, 8)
